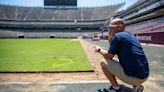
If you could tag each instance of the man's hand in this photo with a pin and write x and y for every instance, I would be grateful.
(96, 48)
(103, 52)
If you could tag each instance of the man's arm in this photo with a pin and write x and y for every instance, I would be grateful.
(104, 53)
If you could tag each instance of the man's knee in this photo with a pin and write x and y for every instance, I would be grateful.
(102, 62)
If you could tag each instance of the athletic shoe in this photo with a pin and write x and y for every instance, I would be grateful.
(138, 88)
(111, 89)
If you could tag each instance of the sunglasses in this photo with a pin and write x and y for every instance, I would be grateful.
(110, 27)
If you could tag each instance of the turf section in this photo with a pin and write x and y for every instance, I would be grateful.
(41, 55)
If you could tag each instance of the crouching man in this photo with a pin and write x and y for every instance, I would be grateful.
(132, 67)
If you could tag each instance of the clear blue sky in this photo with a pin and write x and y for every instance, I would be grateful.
(81, 3)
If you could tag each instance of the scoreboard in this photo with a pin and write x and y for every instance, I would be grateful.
(60, 2)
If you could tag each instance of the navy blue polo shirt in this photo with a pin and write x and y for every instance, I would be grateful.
(130, 53)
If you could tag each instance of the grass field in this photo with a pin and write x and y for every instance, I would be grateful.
(42, 55)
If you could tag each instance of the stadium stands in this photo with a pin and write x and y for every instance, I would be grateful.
(103, 13)
(46, 22)
(74, 14)
(61, 15)
(142, 10)
(39, 13)
(153, 25)
(87, 13)
(34, 13)
(145, 19)
(9, 13)
(47, 14)
(22, 13)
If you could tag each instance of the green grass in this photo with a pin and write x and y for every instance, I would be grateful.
(35, 55)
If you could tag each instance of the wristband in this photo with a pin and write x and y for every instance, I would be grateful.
(99, 50)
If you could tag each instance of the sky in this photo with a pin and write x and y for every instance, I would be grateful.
(81, 3)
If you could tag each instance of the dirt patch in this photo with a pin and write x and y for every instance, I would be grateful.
(93, 58)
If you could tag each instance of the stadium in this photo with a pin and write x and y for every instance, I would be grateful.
(49, 49)
(71, 23)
